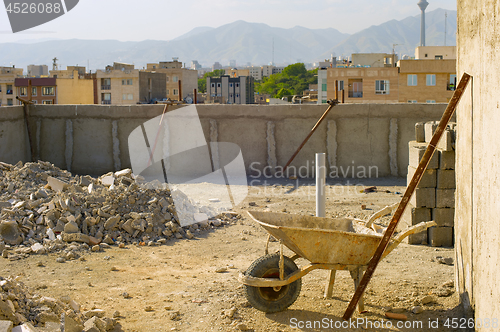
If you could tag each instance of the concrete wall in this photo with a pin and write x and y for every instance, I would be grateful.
(94, 138)
(477, 235)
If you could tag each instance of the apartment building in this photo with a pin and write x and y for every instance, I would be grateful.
(179, 80)
(68, 72)
(230, 90)
(269, 70)
(122, 84)
(38, 70)
(363, 84)
(427, 81)
(40, 90)
(8, 92)
(374, 60)
(436, 53)
(237, 72)
(255, 72)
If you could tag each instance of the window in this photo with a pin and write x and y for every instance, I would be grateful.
(212, 85)
(47, 102)
(230, 85)
(218, 85)
(382, 87)
(168, 92)
(124, 82)
(9, 89)
(175, 78)
(106, 98)
(10, 102)
(430, 101)
(453, 82)
(48, 91)
(237, 85)
(431, 79)
(130, 96)
(168, 78)
(341, 85)
(176, 92)
(33, 90)
(412, 101)
(124, 96)
(23, 91)
(129, 81)
(105, 83)
(438, 57)
(412, 80)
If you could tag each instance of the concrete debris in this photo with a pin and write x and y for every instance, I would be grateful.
(44, 209)
(22, 310)
(444, 260)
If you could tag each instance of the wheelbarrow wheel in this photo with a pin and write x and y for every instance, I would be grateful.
(269, 299)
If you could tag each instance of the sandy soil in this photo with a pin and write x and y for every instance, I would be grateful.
(174, 287)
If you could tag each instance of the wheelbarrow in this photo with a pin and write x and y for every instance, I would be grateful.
(273, 282)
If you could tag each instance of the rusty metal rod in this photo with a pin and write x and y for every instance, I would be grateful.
(331, 103)
(422, 166)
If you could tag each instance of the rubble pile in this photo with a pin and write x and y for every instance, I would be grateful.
(44, 208)
(31, 312)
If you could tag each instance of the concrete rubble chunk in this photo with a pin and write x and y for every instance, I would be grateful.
(57, 184)
(107, 180)
(112, 222)
(75, 237)
(9, 232)
(26, 327)
(70, 325)
(123, 172)
(71, 227)
(6, 326)
(94, 324)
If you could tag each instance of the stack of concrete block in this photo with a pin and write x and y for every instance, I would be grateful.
(434, 198)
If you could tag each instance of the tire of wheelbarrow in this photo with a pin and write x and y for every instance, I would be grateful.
(266, 299)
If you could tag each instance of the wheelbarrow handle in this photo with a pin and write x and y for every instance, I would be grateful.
(412, 230)
(380, 213)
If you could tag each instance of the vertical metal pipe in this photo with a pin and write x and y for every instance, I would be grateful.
(320, 184)
(180, 91)
(195, 98)
(336, 90)
(342, 96)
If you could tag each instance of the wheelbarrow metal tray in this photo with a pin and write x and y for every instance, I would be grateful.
(320, 240)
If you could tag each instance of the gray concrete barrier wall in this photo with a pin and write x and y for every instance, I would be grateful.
(359, 139)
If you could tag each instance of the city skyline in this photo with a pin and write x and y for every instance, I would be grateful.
(160, 20)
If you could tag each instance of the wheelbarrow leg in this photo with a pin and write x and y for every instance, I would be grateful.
(329, 285)
(356, 275)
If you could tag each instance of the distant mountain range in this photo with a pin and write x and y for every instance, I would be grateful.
(254, 43)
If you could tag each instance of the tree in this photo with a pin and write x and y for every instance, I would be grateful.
(292, 81)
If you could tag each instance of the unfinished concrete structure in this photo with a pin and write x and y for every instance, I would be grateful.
(477, 230)
(94, 138)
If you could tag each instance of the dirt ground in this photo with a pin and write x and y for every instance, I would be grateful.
(174, 287)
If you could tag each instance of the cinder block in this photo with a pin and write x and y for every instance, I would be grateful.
(6, 326)
(416, 152)
(446, 159)
(427, 181)
(444, 217)
(445, 198)
(424, 197)
(419, 132)
(440, 236)
(447, 142)
(430, 128)
(413, 216)
(445, 179)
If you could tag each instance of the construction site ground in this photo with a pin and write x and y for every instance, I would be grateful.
(175, 287)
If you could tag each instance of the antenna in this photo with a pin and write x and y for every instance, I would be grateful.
(445, 19)
(272, 61)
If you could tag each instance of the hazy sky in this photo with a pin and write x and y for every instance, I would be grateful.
(128, 20)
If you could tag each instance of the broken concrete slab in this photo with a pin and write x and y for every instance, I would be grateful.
(57, 184)
(75, 237)
(6, 326)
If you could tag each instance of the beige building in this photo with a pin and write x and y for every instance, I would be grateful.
(121, 84)
(426, 81)
(237, 72)
(77, 89)
(8, 92)
(175, 74)
(377, 60)
(436, 53)
(364, 85)
(68, 72)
